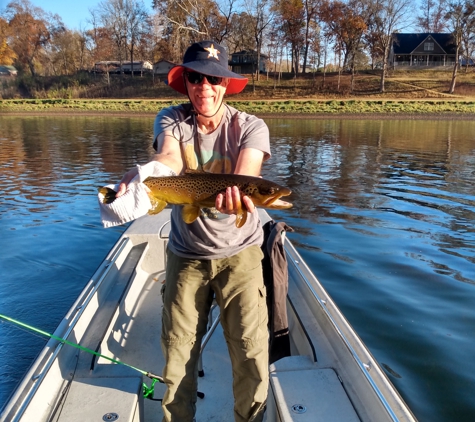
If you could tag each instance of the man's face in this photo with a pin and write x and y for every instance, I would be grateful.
(205, 94)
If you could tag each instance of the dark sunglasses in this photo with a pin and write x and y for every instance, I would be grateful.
(197, 78)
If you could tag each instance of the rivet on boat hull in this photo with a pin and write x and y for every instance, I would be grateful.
(299, 408)
(110, 417)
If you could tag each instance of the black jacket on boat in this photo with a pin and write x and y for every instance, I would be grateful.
(274, 266)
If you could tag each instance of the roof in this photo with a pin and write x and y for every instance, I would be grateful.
(408, 43)
(248, 53)
(7, 69)
(165, 61)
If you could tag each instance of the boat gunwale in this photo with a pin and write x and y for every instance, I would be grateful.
(327, 305)
(49, 353)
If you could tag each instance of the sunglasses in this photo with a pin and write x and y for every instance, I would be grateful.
(197, 78)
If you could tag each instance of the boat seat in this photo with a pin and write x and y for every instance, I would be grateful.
(300, 391)
(104, 398)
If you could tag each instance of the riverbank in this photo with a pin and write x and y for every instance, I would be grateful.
(268, 108)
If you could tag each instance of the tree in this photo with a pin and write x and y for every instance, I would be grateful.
(460, 15)
(292, 23)
(387, 16)
(311, 29)
(137, 27)
(7, 55)
(346, 24)
(124, 21)
(432, 17)
(262, 16)
(240, 36)
(30, 32)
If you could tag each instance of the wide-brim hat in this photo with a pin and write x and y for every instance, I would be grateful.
(208, 58)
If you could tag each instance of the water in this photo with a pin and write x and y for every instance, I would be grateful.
(383, 213)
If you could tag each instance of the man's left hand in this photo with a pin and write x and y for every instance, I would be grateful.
(232, 201)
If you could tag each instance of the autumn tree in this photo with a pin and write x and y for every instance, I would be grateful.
(30, 32)
(240, 36)
(346, 24)
(7, 55)
(292, 22)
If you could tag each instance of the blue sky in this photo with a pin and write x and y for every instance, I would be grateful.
(75, 14)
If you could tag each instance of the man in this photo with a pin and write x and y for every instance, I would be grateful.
(211, 256)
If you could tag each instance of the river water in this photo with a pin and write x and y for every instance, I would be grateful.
(384, 214)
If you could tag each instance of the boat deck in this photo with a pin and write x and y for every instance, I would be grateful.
(331, 376)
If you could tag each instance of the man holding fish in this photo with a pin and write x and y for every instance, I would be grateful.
(211, 250)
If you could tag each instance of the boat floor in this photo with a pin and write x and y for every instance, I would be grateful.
(142, 349)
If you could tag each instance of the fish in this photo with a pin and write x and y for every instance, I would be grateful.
(198, 190)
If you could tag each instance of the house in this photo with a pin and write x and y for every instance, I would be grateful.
(6, 70)
(138, 66)
(114, 66)
(111, 66)
(162, 67)
(427, 49)
(245, 62)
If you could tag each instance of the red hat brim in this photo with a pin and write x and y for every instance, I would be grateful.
(176, 81)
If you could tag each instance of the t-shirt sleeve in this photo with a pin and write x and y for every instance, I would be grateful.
(166, 119)
(256, 135)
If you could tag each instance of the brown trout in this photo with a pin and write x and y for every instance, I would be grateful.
(197, 190)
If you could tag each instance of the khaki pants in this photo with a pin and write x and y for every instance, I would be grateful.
(240, 293)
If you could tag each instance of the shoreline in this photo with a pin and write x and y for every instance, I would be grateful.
(284, 115)
(381, 109)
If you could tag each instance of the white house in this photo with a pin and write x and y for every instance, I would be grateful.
(138, 66)
(162, 67)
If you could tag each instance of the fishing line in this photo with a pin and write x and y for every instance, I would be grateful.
(147, 391)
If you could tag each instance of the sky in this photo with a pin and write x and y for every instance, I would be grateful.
(74, 14)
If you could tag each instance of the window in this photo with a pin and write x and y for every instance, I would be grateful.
(428, 46)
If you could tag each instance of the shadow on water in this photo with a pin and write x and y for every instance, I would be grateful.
(383, 214)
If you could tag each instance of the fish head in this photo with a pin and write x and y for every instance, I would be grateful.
(265, 193)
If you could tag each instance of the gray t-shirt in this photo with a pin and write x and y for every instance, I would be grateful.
(213, 235)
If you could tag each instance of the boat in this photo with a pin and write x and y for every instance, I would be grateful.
(330, 374)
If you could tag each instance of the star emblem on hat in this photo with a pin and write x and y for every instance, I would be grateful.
(213, 52)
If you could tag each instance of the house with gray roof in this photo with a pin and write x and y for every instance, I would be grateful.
(422, 50)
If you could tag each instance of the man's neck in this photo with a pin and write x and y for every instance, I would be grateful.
(209, 124)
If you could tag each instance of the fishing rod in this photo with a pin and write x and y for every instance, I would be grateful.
(148, 391)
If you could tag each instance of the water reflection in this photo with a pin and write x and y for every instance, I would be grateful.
(383, 214)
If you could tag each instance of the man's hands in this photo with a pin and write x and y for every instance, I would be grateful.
(231, 201)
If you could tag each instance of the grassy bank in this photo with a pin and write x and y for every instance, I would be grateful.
(287, 107)
(416, 93)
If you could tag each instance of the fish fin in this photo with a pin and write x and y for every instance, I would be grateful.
(190, 213)
(194, 171)
(241, 218)
(108, 193)
(158, 205)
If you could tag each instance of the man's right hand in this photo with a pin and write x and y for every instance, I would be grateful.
(126, 179)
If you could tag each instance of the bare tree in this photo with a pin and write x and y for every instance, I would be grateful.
(432, 17)
(388, 16)
(460, 14)
(262, 16)
(137, 26)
